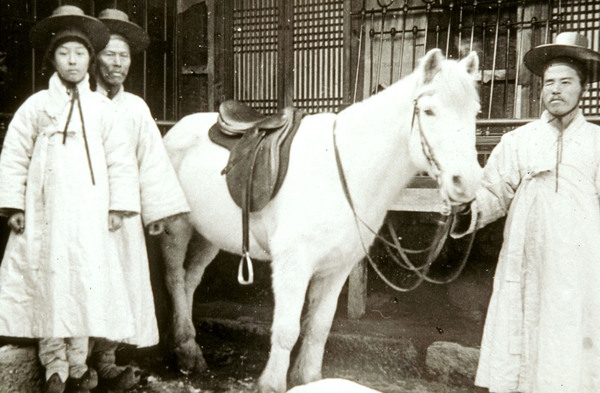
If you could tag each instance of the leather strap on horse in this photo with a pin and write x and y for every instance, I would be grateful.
(246, 202)
(258, 161)
(439, 239)
(422, 271)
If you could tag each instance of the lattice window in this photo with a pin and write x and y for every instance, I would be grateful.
(255, 53)
(318, 55)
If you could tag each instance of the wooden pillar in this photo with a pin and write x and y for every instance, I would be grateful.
(348, 51)
(527, 103)
(285, 54)
(210, 64)
(354, 74)
(225, 51)
(357, 291)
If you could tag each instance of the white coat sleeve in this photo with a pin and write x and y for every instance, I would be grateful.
(16, 157)
(122, 167)
(501, 177)
(161, 193)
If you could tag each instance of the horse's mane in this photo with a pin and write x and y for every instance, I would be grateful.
(458, 87)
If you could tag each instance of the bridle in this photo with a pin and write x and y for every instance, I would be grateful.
(434, 165)
(425, 145)
(437, 244)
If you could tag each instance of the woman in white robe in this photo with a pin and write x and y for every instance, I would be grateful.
(68, 175)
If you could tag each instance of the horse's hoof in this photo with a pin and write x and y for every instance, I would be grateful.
(269, 390)
(262, 387)
(189, 357)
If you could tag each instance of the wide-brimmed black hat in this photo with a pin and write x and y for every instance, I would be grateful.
(118, 23)
(570, 45)
(69, 17)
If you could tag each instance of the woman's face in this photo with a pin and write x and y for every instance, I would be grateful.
(71, 60)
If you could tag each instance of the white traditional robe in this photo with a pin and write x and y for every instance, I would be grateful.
(62, 277)
(161, 196)
(542, 332)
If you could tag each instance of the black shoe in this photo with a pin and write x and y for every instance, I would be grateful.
(54, 384)
(85, 383)
(126, 380)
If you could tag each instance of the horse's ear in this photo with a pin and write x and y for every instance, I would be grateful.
(471, 63)
(431, 64)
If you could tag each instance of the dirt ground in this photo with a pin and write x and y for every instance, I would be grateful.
(453, 313)
(234, 368)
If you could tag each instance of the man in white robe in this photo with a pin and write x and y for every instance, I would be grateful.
(542, 331)
(160, 193)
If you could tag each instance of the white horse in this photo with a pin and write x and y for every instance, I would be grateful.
(425, 122)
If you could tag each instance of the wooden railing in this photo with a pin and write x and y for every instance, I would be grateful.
(488, 135)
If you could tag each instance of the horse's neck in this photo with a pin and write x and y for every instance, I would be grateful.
(373, 138)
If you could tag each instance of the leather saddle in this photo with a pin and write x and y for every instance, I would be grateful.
(259, 148)
(236, 118)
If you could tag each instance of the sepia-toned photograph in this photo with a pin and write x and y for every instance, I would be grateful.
(303, 196)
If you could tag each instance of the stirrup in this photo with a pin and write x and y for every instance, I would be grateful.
(248, 260)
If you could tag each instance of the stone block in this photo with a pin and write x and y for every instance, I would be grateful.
(20, 370)
(452, 363)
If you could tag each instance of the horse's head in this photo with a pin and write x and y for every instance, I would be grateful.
(442, 143)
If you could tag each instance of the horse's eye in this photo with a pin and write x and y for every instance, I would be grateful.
(429, 112)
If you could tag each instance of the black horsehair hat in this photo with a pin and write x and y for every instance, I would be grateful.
(69, 17)
(118, 23)
(569, 45)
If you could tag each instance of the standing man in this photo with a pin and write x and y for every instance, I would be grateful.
(542, 331)
(160, 193)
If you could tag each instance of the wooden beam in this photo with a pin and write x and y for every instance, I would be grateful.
(210, 64)
(348, 51)
(285, 54)
(357, 291)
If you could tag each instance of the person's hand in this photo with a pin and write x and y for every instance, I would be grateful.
(156, 228)
(462, 209)
(16, 222)
(115, 221)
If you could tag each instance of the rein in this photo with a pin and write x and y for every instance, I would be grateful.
(439, 240)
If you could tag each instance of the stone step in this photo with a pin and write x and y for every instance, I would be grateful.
(20, 370)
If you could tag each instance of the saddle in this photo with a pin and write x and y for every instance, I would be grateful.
(259, 148)
(236, 118)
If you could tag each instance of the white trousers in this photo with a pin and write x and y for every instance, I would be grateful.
(64, 356)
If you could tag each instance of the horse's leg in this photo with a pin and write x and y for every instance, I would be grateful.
(323, 295)
(200, 254)
(290, 280)
(174, 243)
